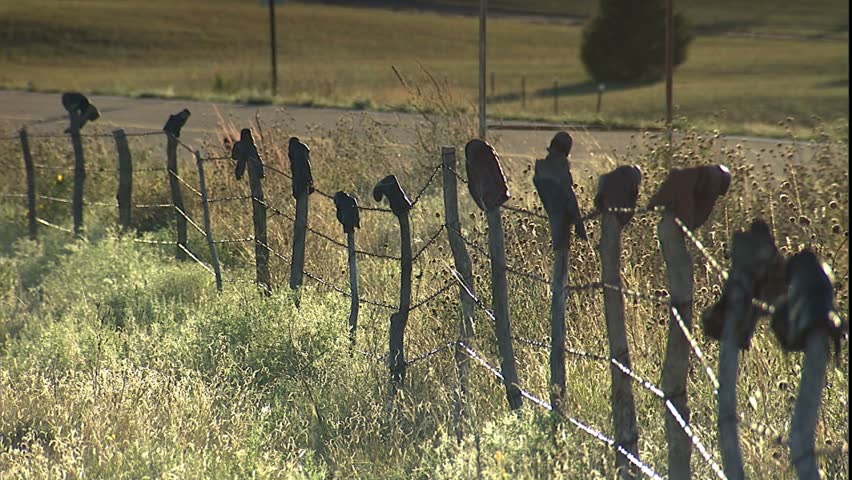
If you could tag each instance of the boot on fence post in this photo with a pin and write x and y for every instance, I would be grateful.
(172, 129)
(487, 185)
(208, 231)
(31, 188)
(303, 185)
(390, 188)
(461, 259)
(615, 200)
(804, 321)
(732, 320)
(125, 180)
(555, 187)
(688, 196)
(347, 215)
(79, 111)
(245, 153)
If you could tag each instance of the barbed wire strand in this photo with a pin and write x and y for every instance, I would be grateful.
(190, 220)
(185, 184)
(429, 242)
(325, 282)
(695, 348)
(198, 260)
(583, 427)
(51, 225)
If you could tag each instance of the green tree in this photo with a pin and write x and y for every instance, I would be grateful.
(626, 42)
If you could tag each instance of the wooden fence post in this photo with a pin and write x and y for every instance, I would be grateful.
(688, 195)
(79, 112)
(349, 218)
(400, 205)
(31, 188)
(731, 321)
(125, 180)
(461, 259)
(247, 157)
(208, 232)
(300, 168)
(554, 184)
(172, 129)
(615, 198)
(805, 320)
(487, 185)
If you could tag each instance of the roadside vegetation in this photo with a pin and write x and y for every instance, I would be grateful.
(116, 361)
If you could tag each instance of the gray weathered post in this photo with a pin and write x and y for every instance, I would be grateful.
(804, 321)
(390, 188)
(554, 184)
(80, 111)
(615, 199)
(172, 129)
(347, 215)
(303, 185)
(731, 321)
(31, 188)
(125, 180)
(208, 231)
(487, 185)
(461, 259)
(247, 157)
(688, 196)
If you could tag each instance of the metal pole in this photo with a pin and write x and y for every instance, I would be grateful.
(272, 42)
(669, 61)
(483, 7)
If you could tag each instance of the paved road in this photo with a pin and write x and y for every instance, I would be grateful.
(516, 142)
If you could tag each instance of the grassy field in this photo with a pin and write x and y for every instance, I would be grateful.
(116, 361)
(342, 56)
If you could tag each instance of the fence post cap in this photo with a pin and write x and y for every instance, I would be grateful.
(389, 187)
(555, 186)
(486, 181)
(347, 211)
(78, 105)
(757, 266)
(242, 151)
(176, 122)
(691, 193)
(300, 167)
(619, 189)
(808, 305)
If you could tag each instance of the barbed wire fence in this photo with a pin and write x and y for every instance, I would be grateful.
(203, 229)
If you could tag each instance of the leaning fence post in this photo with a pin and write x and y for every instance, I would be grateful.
(732, 321)
(400, 204)
(208, 232)
(125, 179)
(688, 196)
(172, 129)
(616, 199)
(80, 111)
(554, 184)
(805, 320)
(488, 187)
(245, 153)
(31, 188)
(303, 186)
(347, 215)
(462, 263)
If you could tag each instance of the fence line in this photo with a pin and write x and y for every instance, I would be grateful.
(636, 295)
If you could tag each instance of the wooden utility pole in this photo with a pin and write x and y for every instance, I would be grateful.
(483, 9)
(669, 61)
(273, 49)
